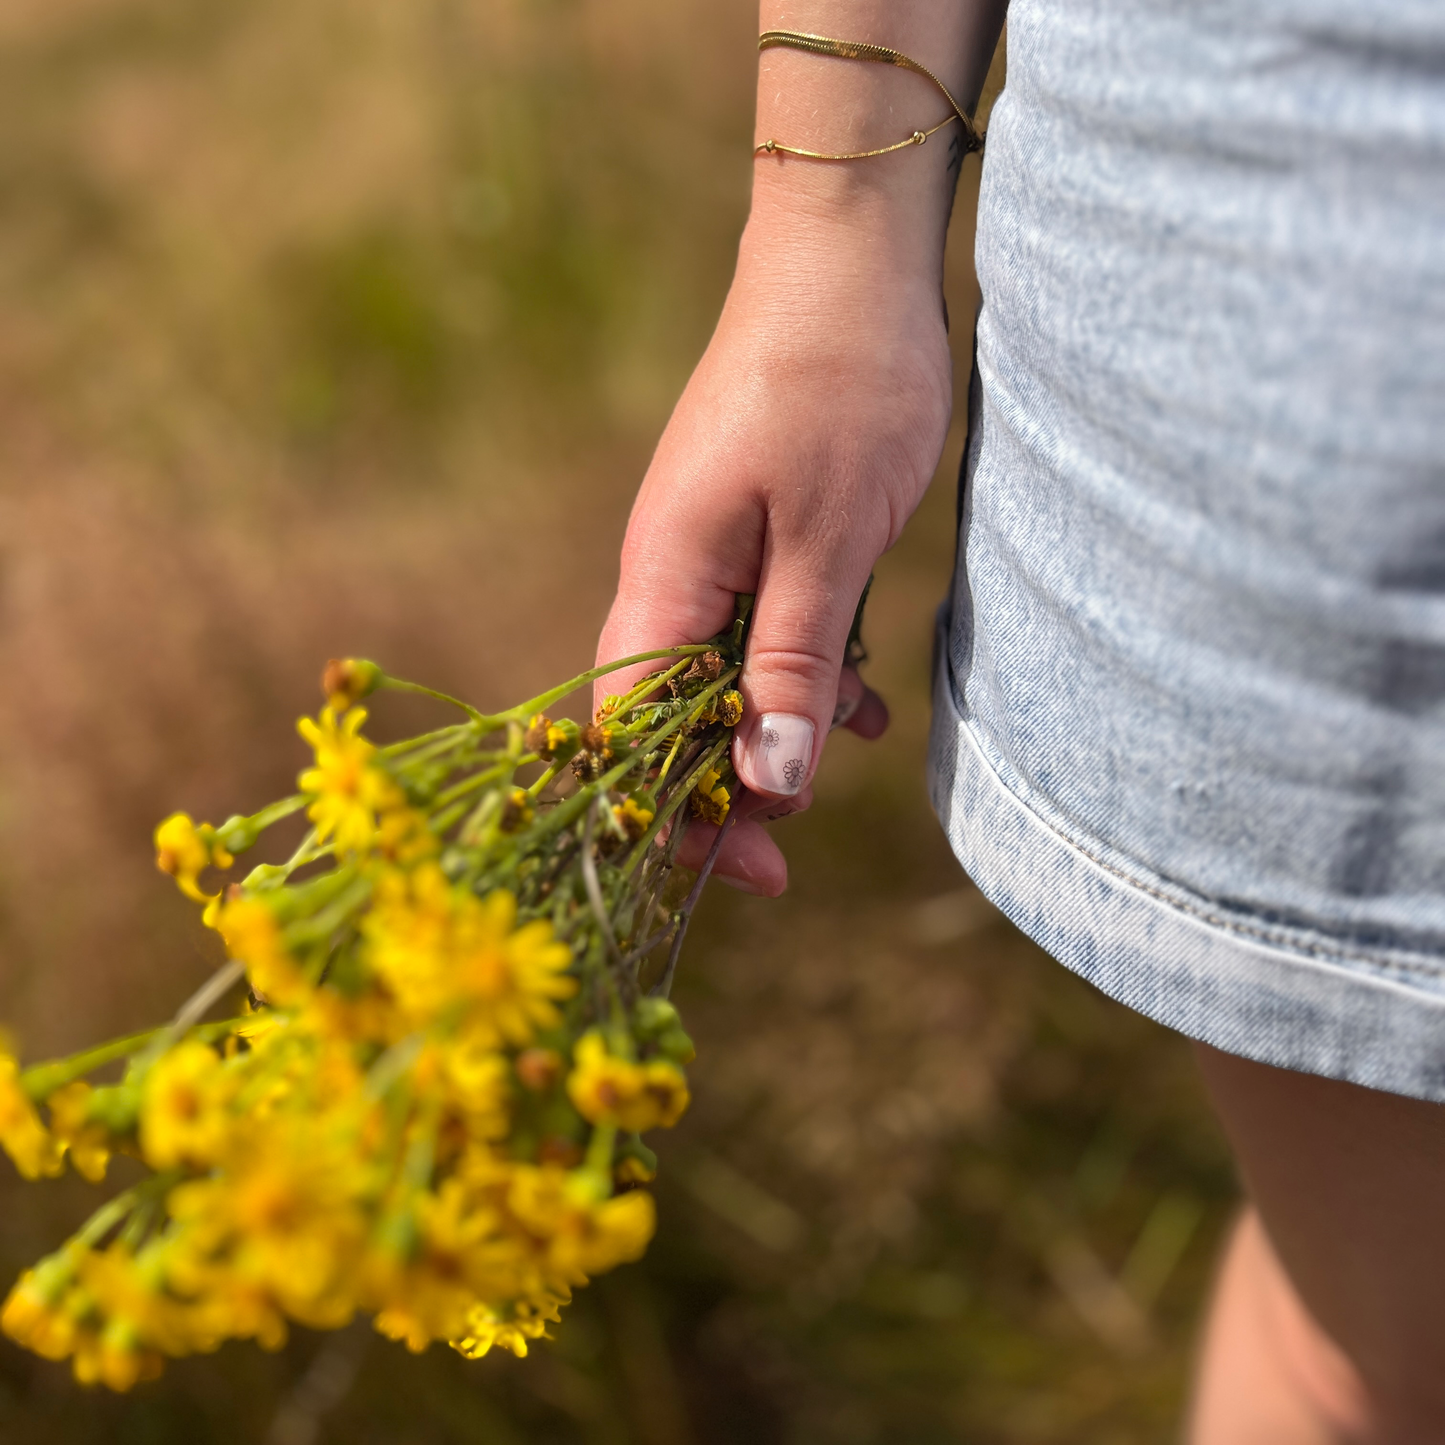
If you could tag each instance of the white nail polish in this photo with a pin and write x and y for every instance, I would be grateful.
(782, 748)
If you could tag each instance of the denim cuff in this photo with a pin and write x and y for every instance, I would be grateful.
(1183, 960)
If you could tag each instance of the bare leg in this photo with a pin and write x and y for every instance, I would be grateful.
(1349, 1185)
(1268, 1375)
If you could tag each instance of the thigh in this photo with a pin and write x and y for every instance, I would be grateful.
(1350, 1186)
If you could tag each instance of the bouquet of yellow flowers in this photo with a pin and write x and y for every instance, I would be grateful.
(449, 1027)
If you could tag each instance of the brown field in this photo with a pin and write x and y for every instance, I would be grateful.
(347, 327)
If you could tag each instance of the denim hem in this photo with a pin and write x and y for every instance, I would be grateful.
(1260, 999)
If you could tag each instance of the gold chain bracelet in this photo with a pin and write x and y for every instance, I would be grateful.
(882, 55)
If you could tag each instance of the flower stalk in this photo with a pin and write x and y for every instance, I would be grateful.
(425, 1107)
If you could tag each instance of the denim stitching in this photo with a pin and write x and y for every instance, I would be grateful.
(1275, 938)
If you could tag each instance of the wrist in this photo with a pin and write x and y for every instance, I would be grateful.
(886, 216)
(849, 255)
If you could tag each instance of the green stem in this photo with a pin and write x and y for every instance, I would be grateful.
(680, 795)
(106, 1218)
(41, 1080)
(395, 684)
(138, 1225)
(446, 735)
(535, 790)
(111, 1213)
(570, 809)
(392, 1065)
(274, 812)
(272, 875)
(599, 1151)
(421, 1152)
(544, 700)
(650, 683)
(478, 780)
(330, 918)
(667, 763)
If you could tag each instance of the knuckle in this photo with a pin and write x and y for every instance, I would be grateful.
(809, 667)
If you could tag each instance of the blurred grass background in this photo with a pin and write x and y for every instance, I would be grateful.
(347, 326)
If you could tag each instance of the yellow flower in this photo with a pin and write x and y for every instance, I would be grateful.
(710, 800)
(284, 1216)
(403, 836)
(608, 1090)
(479, 1088)
(22, 1135)
(138, 1321)
(225, 1307)
(431, 1295)
(88, 1143)
(730, 708)
(117, 1359)
(253, 937)
(578, 1234)
(34, 1314)
(633, 818)
(258, 1025)
(437, 947)
(612, 1232)
(486, 1327)
(183, 1118)
(349, 789)
(184, 850)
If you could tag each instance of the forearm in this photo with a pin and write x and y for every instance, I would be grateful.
(890, 211)
(812, 425)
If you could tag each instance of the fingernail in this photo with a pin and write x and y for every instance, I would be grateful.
(781, 750)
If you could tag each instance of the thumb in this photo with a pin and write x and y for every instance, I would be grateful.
(790, 677)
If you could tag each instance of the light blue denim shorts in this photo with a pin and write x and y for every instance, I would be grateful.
(1190, 708)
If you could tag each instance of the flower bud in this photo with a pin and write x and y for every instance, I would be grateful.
(630, 1171)
(677, 1046)
(535, 738)
(237, 834)
(653, 1015)
(597, 738)
(557, 1150)
(552, 741)
(539, 1069)
(587, 767)
(516, 811)
(347, 680)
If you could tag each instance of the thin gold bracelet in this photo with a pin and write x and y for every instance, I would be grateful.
(882, 55)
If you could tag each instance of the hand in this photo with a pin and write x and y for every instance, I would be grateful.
(803, 442)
